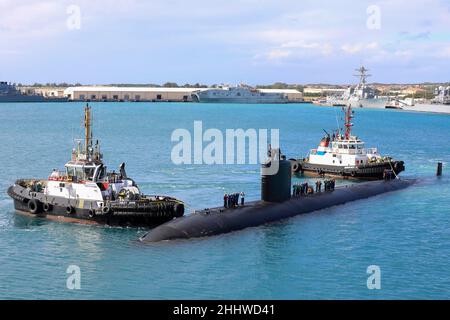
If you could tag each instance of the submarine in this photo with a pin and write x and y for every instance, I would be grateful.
(276, 203)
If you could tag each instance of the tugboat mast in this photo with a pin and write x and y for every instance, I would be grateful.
(348, 122)
(88, 131)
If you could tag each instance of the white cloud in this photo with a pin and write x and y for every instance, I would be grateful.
(443, 53)
(306, 32)
(322, 48)
(277, 54)
(358, 47)
(31, 16)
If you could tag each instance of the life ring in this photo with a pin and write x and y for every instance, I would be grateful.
(34, 206)
(91, 213)
(353, 173)
(47, 207)
(69, 209)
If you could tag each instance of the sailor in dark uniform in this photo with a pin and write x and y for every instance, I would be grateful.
(225, 200)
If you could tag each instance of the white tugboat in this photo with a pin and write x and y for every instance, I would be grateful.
(86, 192)
(345, 155)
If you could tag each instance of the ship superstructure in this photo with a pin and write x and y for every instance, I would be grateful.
(362, 95)
(442, 95)
(439, 103)
(9, 93)
(238, 94)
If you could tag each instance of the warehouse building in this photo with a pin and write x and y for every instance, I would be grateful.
(293, 95)
(100, 93)
(104, 93)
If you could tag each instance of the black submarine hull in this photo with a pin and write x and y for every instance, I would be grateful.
(210, 222)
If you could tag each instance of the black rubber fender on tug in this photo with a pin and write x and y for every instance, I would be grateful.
(34, 206)
(219, 220)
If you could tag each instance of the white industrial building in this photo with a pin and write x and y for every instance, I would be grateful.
(108, 93)
(103, 93)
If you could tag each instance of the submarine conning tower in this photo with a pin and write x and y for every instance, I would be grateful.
(276, 177)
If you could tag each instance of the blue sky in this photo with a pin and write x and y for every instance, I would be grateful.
(251, 41)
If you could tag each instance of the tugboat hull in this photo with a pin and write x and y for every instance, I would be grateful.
(367, 171)
(115, 213)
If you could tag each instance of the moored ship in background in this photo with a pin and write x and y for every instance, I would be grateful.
(9, 93)
(239, 94)
(442, 95)
(345, 155)
(87, 193)
(440, 102)
(362, 96)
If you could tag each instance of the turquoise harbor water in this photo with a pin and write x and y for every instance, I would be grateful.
(320, 255)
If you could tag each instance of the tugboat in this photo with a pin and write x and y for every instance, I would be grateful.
(345, 155)
(87, 193)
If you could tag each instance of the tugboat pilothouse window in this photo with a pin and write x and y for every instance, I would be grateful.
(102, 174)
(79, 173)
(70, 172)
(89, 173)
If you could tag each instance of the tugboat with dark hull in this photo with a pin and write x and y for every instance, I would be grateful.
(345, 155)
(87, 193)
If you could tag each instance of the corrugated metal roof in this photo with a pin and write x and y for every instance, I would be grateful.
(279, 90)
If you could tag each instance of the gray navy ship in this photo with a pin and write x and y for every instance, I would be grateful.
(9, 93)
(361, 96)
(238, 94)
(439, 103)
